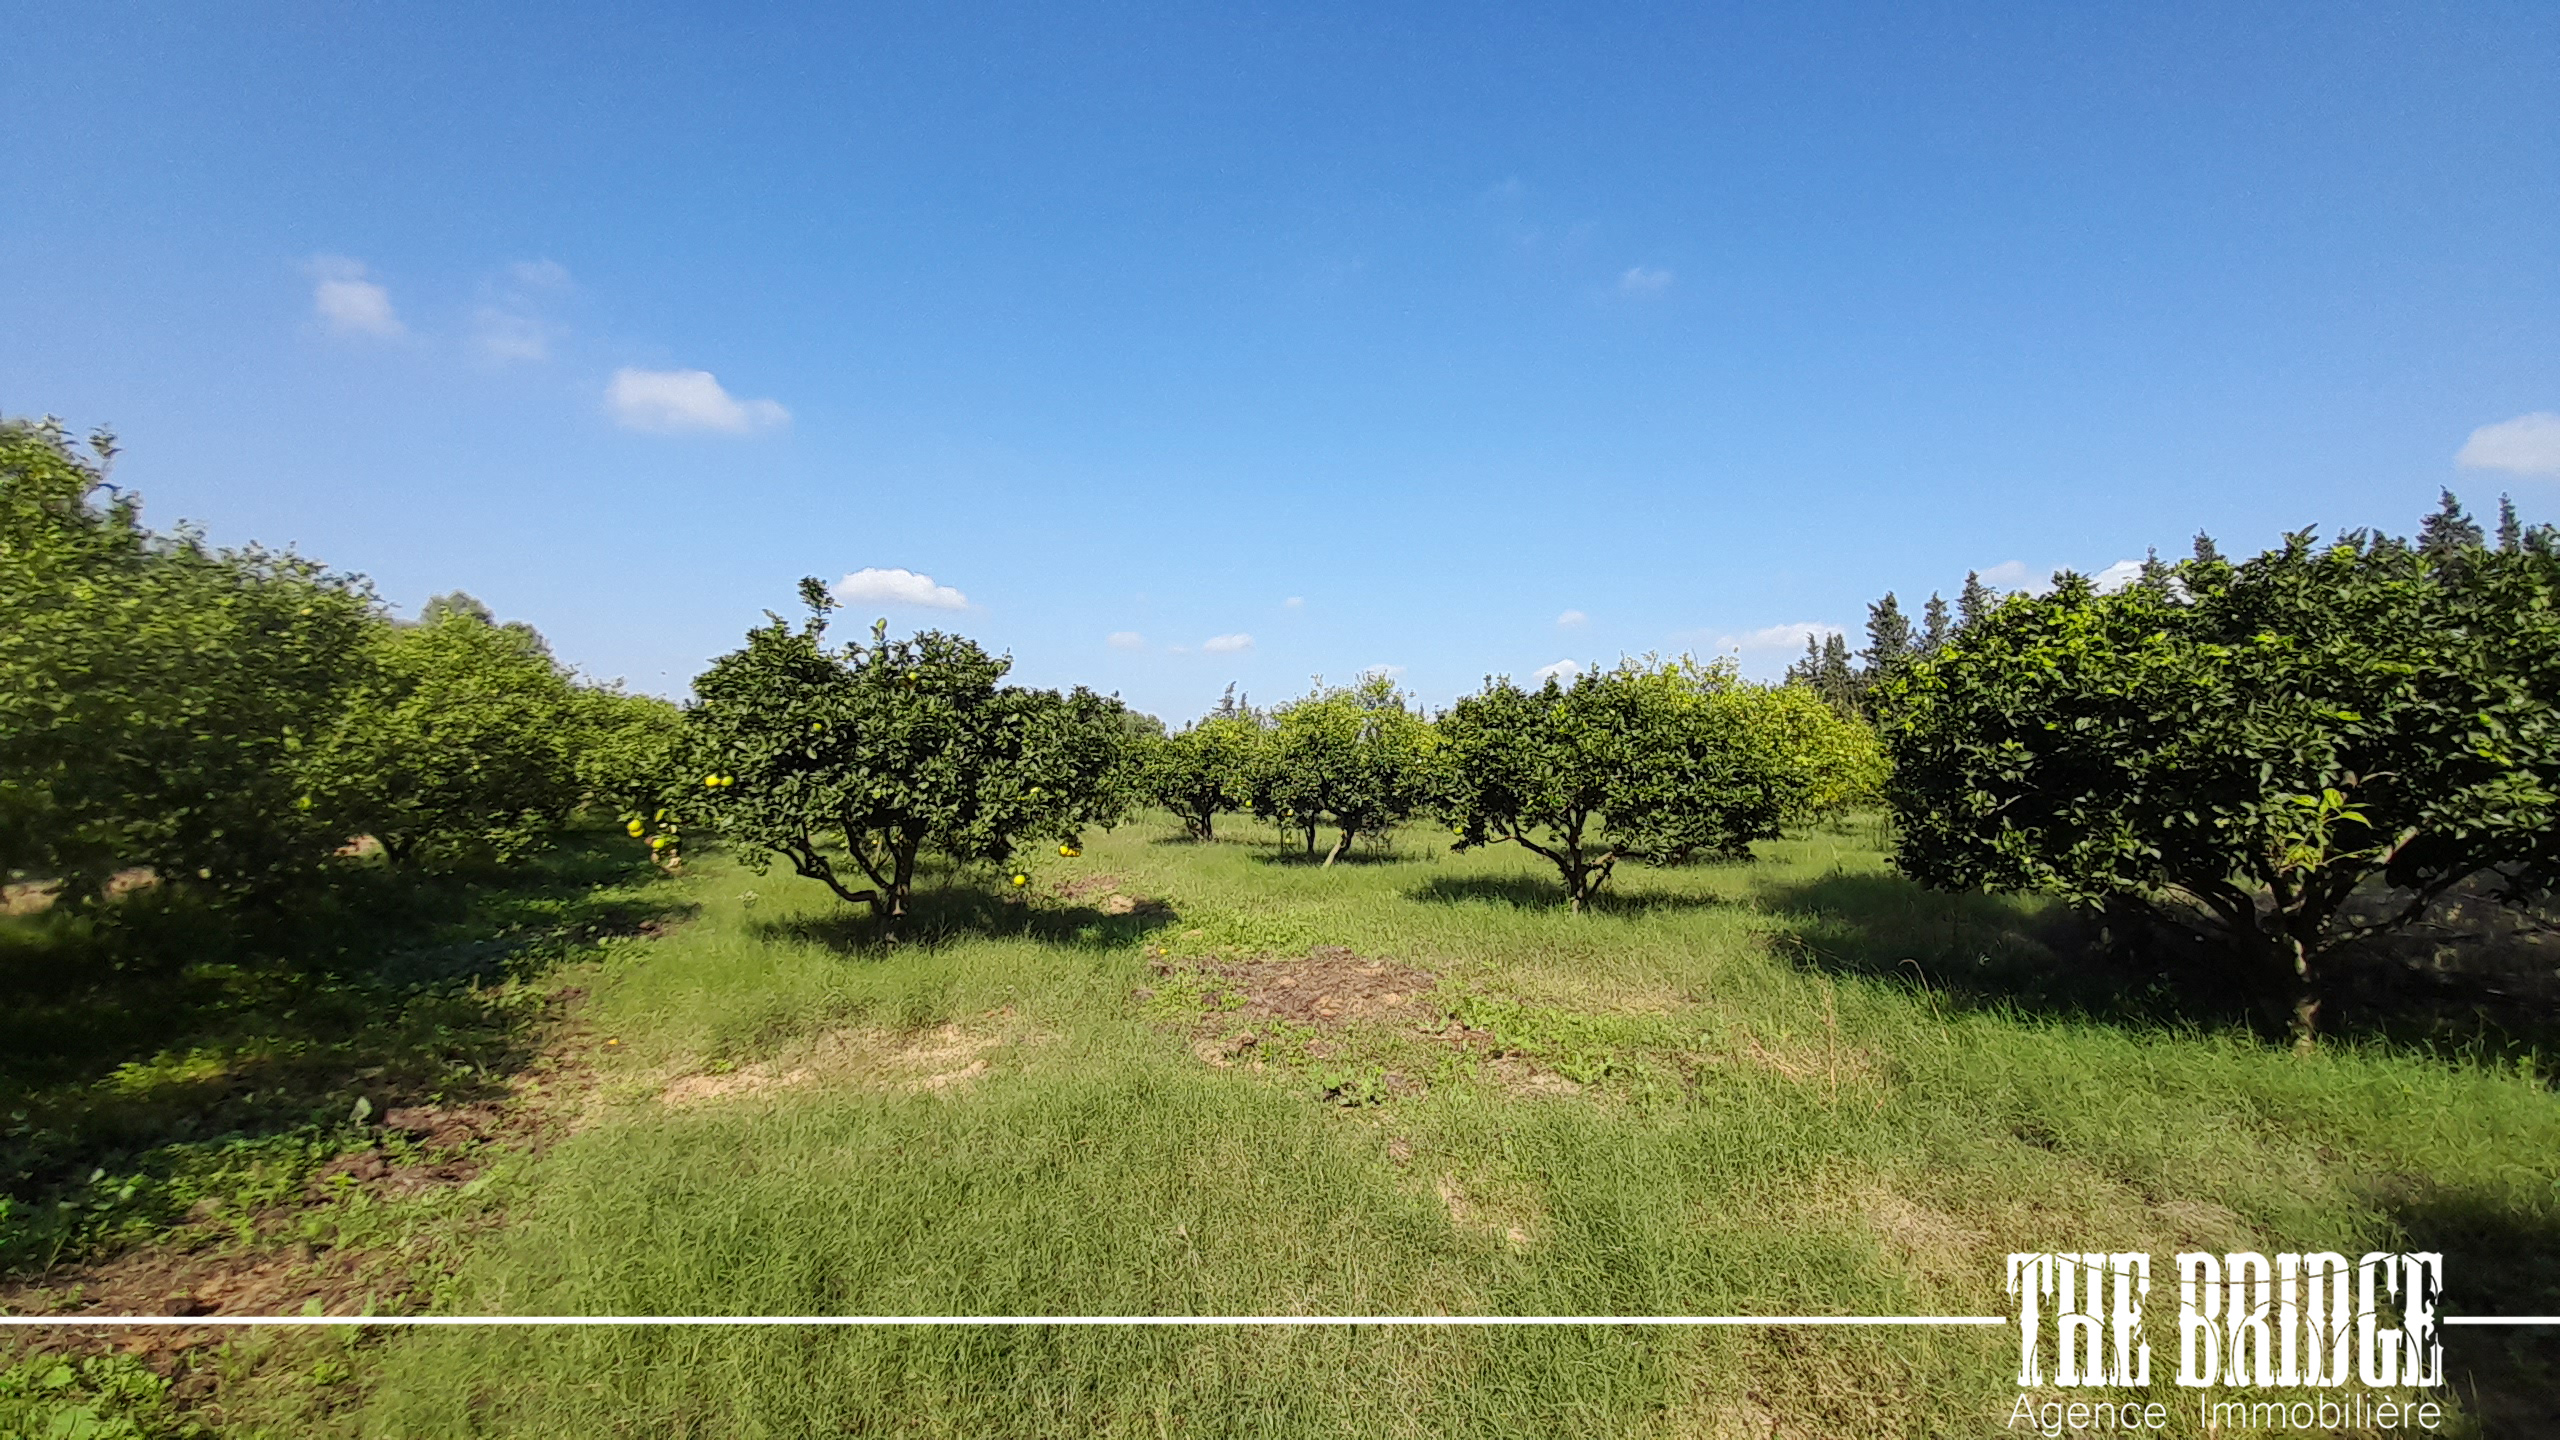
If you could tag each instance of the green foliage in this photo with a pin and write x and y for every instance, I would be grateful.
(1205, 770)
(2245, 749)
(1651, 761)
(630, 755)
(460, 741)
(1358, 758)
(159, 699)
(92, 1397)
(892, 748)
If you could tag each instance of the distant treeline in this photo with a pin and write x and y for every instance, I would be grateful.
(2238, 749)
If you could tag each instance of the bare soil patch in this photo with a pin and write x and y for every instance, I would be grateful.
(203, 1268)
(1329, 987)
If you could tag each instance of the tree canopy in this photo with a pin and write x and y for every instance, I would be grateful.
(869, 754)
(2247, 748)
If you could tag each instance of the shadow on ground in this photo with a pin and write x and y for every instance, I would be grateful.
(1536, 892)
(2039, 956)
(2501, 1257)
(942, 914)
(156, 1043)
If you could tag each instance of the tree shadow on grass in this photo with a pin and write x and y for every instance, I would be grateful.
(154, 1038)
(2501, 1257)
(944, 914)
(1296, 857)
(1994, 952)
(2040, 956)
(1534, 892)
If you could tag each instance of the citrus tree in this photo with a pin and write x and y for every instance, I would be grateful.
(159, 698)
(848, 762)
(1358, 758)
(1650, 761)
(2247, 749)
(1203, 770)
(629, 752)
(460, 741)
(1827, 761)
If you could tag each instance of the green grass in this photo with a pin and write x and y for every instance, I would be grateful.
(1795, 1086)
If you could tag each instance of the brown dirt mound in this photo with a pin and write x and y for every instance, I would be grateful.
(1329, 987)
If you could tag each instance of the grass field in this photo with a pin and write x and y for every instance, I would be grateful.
(1176, 1078)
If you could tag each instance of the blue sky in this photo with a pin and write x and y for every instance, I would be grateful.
(1378, 335)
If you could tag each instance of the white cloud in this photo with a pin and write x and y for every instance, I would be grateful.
(2008, 575)
(2117, 576)
(1790, 636)
(1295, 602)
(1571, 618)
(1127, 640)
(2526, 445)
(1644, 280)
(1561, 670)
(1227, 644)
(348, 302)
(665, 401)
(898, 587)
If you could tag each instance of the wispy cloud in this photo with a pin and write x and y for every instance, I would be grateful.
(509, 336)
(2010, 575)
(509, 325)
(349, 301)
(1561, 670)
(2526, 445)
(1644, 280)
(875, 586)
(666, 401)
(1572, 618)
(1790, 636)
(1227, 644)
(1294, 602)
(1126, 640)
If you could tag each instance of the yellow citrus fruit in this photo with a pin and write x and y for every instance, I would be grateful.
(635, 827)
(1021, 879)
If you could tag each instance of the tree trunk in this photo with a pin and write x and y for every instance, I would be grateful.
(1311, 842)
(1339, 847)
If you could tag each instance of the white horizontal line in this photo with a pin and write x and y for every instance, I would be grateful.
(1112, 1320)
(2498, 1319)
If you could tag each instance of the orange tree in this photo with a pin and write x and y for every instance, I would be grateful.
(1204, 769)
(460, 741)
(1649, 762)
(848, 762)
(159, 698)
(1358, 757)
(2242, 751)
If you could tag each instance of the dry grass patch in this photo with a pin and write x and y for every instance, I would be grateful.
(927, 1061)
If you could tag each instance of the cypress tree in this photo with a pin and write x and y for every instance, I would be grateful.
(1888, 635)
(2450, 530)
(2510, 530)
(1933, 622)
(1974, 601)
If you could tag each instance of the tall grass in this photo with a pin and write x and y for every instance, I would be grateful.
(1796, 1086)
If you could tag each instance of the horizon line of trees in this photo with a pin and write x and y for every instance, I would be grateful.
(2280, 755)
